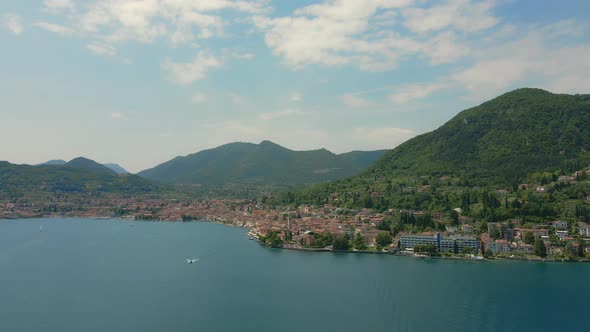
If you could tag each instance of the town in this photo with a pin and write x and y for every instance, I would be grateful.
(330, 228)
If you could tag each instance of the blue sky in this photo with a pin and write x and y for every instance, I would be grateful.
(139, 82)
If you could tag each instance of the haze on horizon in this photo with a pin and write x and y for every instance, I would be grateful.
(140, 82)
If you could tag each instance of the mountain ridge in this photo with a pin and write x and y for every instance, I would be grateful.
(523, 136)
(266, 162)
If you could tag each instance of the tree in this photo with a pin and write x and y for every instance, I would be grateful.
(529, 238)
(467, 250)
(540, 249)
(395, 228)
(454, 218)
(495, 233)
(428, 249)
(455, 247)
(272, 239)
(383, 239)
(358, 242)
(580, 251)
(341, 243)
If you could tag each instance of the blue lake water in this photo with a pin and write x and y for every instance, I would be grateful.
(91, 275)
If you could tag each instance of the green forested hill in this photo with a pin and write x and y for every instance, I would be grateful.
(90, 165)
(85, 163)
(264, 163)
(19, 180)
(527, 135)
(501, 141)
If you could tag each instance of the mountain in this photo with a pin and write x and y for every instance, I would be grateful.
(77, 176)
(513, 138)
(53, 162)
(88, 164)
(116, 168)
(264, 163)
(500, 141)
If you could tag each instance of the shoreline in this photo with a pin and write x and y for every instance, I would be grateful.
(320, 250)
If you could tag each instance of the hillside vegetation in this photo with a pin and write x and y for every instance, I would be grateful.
(78, 177)
(265, 163)
(500, 141)
(524, 136)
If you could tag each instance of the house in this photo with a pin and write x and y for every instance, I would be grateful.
(568, 239)
(584, 230)
(562, 234)
(554, 251)
(525, 248)
(560, 224)
(520, 232)
(498, 246)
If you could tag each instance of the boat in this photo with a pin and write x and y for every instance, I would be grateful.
(191, 260)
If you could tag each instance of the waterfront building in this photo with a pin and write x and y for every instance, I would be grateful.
(442, 243)
(499, 246)
(448, 244)
(410, 241)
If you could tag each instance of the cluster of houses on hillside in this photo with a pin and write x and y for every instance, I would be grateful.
(556, 237)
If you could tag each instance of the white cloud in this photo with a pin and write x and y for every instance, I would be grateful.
(13, 23)
(114, 22)
(354, 100)
(55, 28)
(102, 49)
(243, 56)
(408, 93)
(279, 114)
(363, 32)
(462, 15)
(535, 58)
(296, 97)
(187, 73)
(335, 33)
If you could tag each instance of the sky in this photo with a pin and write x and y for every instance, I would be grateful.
(138, 82)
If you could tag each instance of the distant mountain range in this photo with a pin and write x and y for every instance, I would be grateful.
(78, 175)
(116, 168)
(264, 163)
(501, 142)
(82, 162)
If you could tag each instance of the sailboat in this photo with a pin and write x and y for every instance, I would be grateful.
(40, 228)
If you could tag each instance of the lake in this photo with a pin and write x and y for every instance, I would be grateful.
(108, 275)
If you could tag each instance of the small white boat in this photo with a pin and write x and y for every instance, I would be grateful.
(191, 260)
